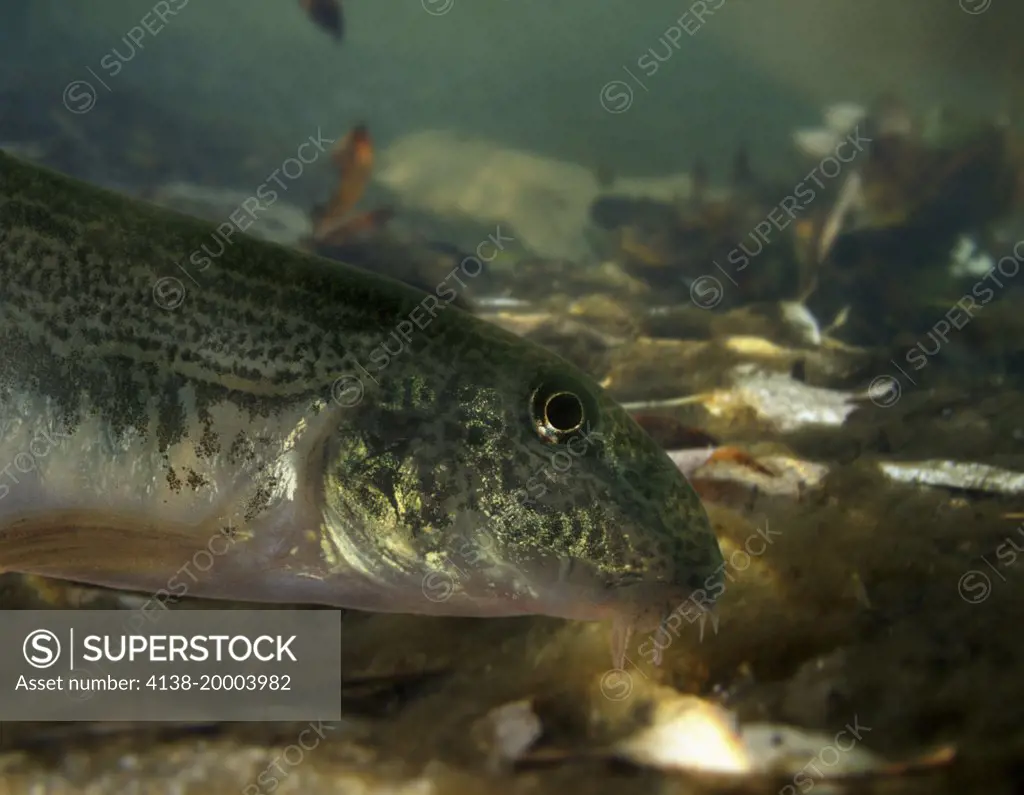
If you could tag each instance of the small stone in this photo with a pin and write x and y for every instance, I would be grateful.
(508, 732)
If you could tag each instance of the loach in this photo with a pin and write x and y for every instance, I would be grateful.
(303, 431)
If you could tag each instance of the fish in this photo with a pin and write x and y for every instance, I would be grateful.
(279, 427)
(326, 14)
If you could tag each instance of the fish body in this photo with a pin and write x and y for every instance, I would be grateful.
(278, 427)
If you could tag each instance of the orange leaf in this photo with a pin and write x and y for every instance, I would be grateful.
(353, 155)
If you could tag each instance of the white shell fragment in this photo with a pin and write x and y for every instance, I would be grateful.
(688, 733)
(801, 320)
(963, 475)
(789, 404)
(693, 735)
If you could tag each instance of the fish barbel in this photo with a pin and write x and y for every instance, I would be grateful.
(296, 430)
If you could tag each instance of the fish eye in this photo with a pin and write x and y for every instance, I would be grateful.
(563, 412)
(560, 411)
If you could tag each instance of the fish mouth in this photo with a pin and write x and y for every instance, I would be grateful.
(636, 607)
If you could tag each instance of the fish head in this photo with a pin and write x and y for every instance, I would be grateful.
(591, 511)
(508, 479)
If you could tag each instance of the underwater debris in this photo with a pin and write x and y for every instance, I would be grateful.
(877, 236)
(790, 404)
(692, 735)
(960, 475)
(781, 401)
(840, 119)
(900, 218)
(688, 733)
(740, 458)
(334, 225)
(693, 448)
(929, 190)
(368, 239)
(799, 317)
(507, 733)
(672, 245)
(607, 315)
(327, 15)
(781, 476)
(358, 239)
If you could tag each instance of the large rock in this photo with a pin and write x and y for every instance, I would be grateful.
(545, 202)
